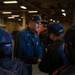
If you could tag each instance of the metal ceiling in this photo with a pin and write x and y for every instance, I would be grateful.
(46, 8)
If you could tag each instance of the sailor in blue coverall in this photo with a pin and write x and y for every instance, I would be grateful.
(27, 44)
(6, 60)
(6, 37)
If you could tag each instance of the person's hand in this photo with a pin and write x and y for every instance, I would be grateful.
(38, 61)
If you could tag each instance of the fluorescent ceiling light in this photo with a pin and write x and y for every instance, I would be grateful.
(63, 10)
(8, 2)
(11, 17)
(23, 7)
(64, 14)
(51, 19)
(57, 21)
(15, 15)
(32, 11)
(6, 12)
(19, 19)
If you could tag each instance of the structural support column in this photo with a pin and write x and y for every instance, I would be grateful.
(24, 20)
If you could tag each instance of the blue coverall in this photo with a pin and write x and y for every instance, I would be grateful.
(26, 46)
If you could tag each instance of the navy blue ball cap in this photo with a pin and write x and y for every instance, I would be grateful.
(55, 28)
(36, 18)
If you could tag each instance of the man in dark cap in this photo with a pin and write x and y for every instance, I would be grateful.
(5, 43)
(56, 50)
(69, 39)
(27, 44)
(55, 56)
(6, 60)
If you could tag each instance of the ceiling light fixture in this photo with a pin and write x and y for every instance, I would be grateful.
(19, 19)
(23, 7)
(64, 14)
(6, 12)
(51, 19)
(11, 17)
(15, 15)
(9, 2)
(63, 10)
(57, 21)
(32, 11)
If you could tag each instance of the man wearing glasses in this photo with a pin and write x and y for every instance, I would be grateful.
(27, 44)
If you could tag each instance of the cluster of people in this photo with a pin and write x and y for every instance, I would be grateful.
(28, 49)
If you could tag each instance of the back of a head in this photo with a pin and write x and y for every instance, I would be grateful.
(5, 44)
(55, 28)
(69, 39)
